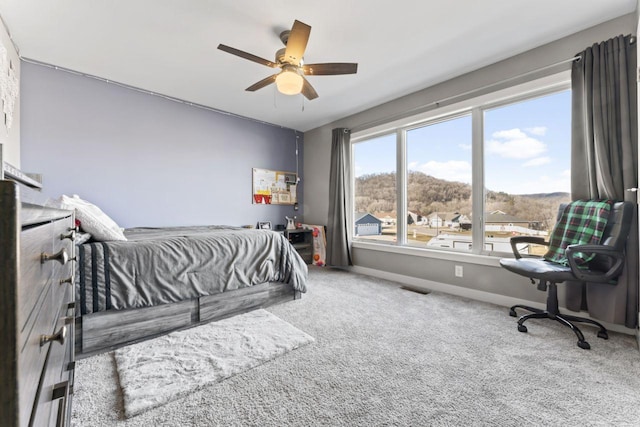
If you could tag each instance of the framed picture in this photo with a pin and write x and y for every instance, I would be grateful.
(264, 225)
(272, 187)
(285, 199)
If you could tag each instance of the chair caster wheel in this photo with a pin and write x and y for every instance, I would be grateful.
(603, 335)
(584, 345)
(512, 313)
(522, 328)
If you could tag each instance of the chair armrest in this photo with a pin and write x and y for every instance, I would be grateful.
(590, 276)
(525, 239)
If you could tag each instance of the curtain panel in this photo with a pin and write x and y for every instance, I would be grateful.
(604, 162)
(340, 211)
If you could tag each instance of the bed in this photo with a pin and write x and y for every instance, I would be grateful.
(163, 279)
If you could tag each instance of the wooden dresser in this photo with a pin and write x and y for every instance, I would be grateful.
(36, 310)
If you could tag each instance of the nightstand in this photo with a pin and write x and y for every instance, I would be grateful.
(302, 241)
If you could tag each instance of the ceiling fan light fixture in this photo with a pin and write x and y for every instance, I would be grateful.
(289, 82)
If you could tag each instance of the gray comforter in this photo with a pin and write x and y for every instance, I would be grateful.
(162, 265)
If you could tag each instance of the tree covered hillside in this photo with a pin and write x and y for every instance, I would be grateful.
(376, 193)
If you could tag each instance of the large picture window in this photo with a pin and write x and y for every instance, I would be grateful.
(471, 179)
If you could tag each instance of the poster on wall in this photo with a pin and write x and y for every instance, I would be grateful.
(274, 187)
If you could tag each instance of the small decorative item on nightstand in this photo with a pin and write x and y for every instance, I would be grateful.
(291, 225)
(302, 241)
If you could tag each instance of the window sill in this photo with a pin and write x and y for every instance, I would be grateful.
(493, 261)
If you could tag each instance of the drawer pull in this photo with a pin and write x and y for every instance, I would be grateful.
(61, 256)
(71, 235)
(58, 336)
(60, 390)
(68, 280)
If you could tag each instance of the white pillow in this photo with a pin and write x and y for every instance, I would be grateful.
(92, 219)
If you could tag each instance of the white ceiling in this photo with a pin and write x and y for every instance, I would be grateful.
(170, 46)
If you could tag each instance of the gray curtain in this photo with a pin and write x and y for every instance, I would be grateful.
(339, 223)
(604, 162)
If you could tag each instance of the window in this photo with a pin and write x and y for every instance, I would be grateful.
(470, 178)
(439, 184)
(375, 207)
(527, 168)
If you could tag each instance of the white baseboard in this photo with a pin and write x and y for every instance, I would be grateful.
(474, 294)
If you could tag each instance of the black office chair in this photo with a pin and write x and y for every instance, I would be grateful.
(604, 268)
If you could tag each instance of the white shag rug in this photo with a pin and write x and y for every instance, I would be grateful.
(155, 372)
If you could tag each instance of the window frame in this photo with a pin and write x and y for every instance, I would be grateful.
(475, 107)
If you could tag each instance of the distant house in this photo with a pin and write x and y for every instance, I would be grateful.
(505, 220)
(460, 221)
(435, 219)
(414, 218)
(448, 220)
(367, 224)
(387, 220)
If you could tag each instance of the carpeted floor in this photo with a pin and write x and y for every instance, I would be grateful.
(387, 356)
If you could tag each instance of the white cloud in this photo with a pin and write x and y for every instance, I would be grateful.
(412, 165)
(538, 161)
(566, 173)
(537, 130)
(452, 170)
(465, 147)
(515, 144)
(509, 134)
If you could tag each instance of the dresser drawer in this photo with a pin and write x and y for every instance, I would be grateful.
(33, 353)
(38, 272)
(34, 274)
(54, 389)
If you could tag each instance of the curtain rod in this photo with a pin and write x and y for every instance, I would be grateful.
(436, 104)
(439, 103)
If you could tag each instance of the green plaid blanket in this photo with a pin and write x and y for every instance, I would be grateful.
(582, 222)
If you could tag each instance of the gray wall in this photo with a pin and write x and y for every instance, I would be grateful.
(491, 278)
(146, 160)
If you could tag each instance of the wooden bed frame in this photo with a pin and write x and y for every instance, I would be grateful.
(108, 330)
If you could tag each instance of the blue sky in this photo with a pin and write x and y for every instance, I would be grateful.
(527, 148)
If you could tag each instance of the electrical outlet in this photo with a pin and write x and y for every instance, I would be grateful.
(458, 271)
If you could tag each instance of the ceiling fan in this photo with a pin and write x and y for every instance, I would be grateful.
(290, 80)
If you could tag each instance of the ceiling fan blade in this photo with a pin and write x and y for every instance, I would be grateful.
(308, 91)
(297, 42)
(262, 83)
(329, 69)
(245, 55)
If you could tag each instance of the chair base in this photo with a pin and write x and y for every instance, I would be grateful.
(564, 319)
